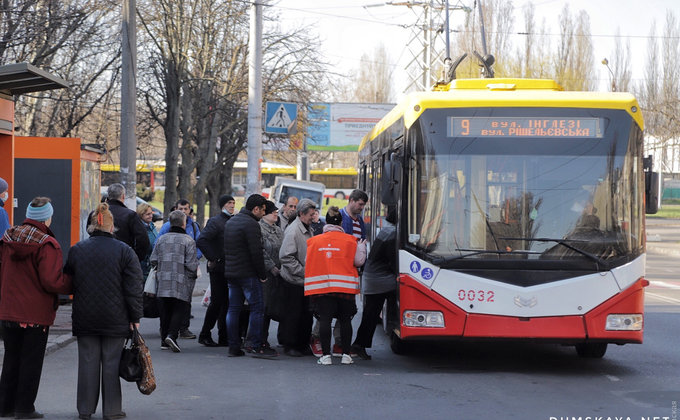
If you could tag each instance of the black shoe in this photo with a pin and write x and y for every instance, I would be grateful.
(7, 414)
(85, 416)
(263, 352)
(292, 352)
(32, 415)
(236, 352)
(361, 352)
(116, 416)
(185, 333)
(207, 341)
(172, 344)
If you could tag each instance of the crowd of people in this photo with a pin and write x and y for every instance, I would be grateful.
(265, 264)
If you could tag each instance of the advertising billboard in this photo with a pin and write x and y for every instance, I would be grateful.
(341, 126)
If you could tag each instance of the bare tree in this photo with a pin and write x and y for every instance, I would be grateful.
(74, 40)
(533, 59)
(372, 80)
(198, 92)
(620, 65)
(574, 56)
(169, 26)
(498, 23)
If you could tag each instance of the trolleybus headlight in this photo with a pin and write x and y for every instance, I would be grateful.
(432, 319)
(624, 322)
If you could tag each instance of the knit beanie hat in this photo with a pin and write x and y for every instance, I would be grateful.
(3, 186)
(270, 207)
(40, 213)
(225, 199)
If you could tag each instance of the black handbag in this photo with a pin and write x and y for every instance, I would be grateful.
(274, 297)
(130, 367)
(151, 309)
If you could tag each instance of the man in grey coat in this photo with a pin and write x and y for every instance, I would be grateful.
(174, 257)
(296, 326)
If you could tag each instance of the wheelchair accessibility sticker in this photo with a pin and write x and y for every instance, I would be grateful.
(427, 273)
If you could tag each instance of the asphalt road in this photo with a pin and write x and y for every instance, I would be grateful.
(443, 381)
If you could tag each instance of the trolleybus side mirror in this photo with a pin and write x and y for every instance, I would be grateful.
(391, 183)
(651, 192)
(652, 186)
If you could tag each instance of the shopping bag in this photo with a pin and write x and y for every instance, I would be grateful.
(150, 283)
(130, 368)
(147, 384)
(206, 297)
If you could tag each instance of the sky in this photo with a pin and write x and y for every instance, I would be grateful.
(350, 28)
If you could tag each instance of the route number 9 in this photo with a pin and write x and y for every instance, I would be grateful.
(465, 125)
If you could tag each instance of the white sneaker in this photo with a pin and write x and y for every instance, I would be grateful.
(325, 360)
(347, 359)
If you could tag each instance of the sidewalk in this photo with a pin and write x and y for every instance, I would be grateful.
(61, 334)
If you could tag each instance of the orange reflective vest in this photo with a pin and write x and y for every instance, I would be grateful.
(329, 267)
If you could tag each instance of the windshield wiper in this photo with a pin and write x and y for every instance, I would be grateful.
(472, 252)
(564, 243)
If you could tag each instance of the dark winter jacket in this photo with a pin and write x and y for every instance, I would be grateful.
(380, 271)
(129, 228)
(211, 241)
(30, 274)
(107, 286)
(243, 255)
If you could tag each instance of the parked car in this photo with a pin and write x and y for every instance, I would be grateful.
(238, 190)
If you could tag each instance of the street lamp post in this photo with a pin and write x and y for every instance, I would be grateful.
(605, 62)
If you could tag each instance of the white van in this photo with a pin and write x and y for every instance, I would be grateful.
(287, 187)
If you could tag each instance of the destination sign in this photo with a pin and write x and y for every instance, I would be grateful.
(524, 127)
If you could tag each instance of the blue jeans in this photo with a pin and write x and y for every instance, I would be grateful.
(251, 289)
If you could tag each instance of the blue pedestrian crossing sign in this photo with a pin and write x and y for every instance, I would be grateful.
(281, 118)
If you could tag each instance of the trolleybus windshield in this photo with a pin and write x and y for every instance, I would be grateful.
(525, 184)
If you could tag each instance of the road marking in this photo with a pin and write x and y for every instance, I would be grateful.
(665, 284)
(612, 378)
(663, 298)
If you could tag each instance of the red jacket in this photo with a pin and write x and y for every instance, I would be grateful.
(31, 275)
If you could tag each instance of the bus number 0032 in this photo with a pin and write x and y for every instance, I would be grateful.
(476, 295)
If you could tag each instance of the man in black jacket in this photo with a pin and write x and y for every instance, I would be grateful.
(245, 273)
(129, 227)
(211, 244)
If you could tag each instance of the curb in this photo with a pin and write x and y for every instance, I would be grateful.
(663, 250)
(59, 341)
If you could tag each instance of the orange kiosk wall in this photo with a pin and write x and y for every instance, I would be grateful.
(57, 168)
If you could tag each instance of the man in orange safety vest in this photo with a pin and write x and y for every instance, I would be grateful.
(332, 281)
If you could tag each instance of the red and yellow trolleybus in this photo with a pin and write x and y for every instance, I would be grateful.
(521, 211)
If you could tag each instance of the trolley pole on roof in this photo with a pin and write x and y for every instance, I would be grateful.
(254, 100)
(128, 140)
(427, 44)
